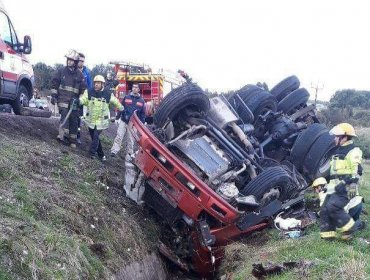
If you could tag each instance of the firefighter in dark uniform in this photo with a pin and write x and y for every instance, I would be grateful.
(111, 85)
(345, 171)
(131, 102)
(67, 84)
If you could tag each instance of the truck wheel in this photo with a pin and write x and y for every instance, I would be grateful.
(245, 93)
(293, 100)
(304, 142)
(285, 87)
(261, 103)
(36, 112)
(21, 101)
(272, 183)
(249, 91)
(187, 96)
(317, 161)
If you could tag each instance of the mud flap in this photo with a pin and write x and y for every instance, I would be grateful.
(266, 212)
(134, 182)
(207, 238)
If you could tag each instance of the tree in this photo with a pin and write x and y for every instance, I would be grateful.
(100, 69)
(350, 98)
(43, 74)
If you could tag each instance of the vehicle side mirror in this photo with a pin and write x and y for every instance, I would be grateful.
(27, 45)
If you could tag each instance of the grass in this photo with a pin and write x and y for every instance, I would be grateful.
(330, 260)
(63, 216)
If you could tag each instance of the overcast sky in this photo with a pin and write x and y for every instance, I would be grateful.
(222, 44)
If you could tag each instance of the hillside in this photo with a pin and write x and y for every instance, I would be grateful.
(320, 259)
(63, 215)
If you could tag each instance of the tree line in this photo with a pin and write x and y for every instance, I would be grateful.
(44, 73)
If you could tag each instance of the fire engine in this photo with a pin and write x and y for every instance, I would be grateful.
(152, 85)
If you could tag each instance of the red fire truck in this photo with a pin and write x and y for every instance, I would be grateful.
(151, 84)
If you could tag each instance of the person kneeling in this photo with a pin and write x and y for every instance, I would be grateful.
(337, 211)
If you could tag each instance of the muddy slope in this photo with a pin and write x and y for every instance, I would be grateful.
(63, 215)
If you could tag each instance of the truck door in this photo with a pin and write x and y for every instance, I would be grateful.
(10, 60)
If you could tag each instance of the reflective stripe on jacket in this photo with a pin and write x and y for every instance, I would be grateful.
(133, 103)
(67, 84)
(98, 107)
(344, 164)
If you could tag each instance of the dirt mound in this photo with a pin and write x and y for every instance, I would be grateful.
(46, 130)
(62, 214)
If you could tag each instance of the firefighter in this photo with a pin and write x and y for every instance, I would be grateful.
(86, 73)
(84, 70)
(111, 85)
(67, 84)
(131, 102)
(345, 170)
(97, 101)
(354, 206)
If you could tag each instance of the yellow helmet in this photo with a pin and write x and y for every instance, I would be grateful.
(343, 129)
(99, 78)
(319, 181)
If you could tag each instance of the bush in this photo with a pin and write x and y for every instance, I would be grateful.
(363, 141)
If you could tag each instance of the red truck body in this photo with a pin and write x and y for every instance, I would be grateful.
(182, 189)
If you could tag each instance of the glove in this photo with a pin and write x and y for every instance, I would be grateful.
(351, 180)
(341, 188)
(74, 103)
(352, 190)
(119, 114)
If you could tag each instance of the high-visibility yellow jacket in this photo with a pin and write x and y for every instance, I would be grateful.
(344, 164)
(98, 107)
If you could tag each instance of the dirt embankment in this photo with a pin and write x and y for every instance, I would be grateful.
(63, 215)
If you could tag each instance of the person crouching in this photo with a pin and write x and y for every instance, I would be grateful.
(97, 118)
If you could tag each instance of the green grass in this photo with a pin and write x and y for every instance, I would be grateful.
(331, 260)
(54, 206)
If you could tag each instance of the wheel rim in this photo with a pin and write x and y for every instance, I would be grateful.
(23, 98)
(324, 164)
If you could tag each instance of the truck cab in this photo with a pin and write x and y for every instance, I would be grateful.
(16, 73)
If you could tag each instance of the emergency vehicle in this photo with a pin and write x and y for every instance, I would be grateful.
(16, 73)
(152, 85)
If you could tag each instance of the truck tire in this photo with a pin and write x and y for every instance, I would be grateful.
(293, 100)
(249, 91)
(317, 161)
(35, 112)
(304, 142)
(245, 93)
(269, 179)
(22, 100)
(188, 95)
(261, 103)
(285, 87)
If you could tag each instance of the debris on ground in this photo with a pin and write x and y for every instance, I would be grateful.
(364, 241)
(261, 272)
(290, 227)
(169, 255)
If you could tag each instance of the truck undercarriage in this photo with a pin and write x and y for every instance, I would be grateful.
(216, 169)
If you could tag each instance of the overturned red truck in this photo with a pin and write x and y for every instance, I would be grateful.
(218, 168)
